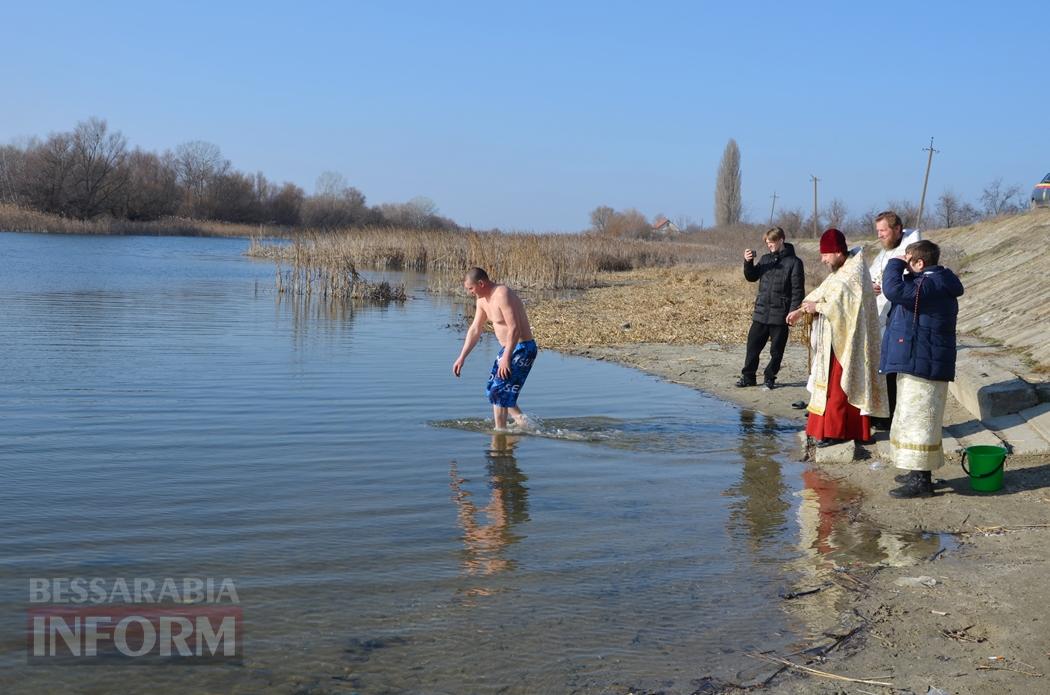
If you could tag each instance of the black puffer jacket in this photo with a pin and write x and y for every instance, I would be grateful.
(781, 284)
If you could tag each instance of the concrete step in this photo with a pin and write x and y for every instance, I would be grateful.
(973, 433)
(950, 444)
(1020, 436)
(1038, 418)
(988, 390)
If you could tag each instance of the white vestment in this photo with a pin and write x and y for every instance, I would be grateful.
(878, 267)
(915, 434)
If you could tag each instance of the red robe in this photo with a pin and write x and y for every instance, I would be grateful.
(840, 419)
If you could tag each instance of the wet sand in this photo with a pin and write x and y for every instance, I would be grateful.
(980, 626)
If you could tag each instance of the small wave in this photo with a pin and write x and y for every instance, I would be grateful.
(596, 429)
(651, 435)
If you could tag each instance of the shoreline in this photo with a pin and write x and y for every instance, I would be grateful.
(988, 596)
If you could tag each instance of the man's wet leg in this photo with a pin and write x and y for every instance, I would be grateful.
(499, 417)
(520, 418)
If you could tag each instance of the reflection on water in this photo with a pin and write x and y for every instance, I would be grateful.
(487, 531)
(832, 539)
(831, 532)
(764, 497)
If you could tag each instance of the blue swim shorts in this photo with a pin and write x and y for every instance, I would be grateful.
(504, 392)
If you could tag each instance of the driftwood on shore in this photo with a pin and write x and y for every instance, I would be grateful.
(815, 672)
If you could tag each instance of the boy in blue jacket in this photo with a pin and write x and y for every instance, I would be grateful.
(919, 347)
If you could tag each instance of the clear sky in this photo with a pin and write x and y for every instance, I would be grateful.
(528, 115)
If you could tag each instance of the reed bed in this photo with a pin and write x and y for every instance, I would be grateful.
(525, 261)
(17, 219)
(336, 279)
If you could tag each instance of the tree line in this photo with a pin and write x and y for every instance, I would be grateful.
(947, 210)
(91, 172)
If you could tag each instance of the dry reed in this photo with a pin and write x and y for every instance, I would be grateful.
(680, 305)
(336, 279)
(527, 261)
(18, 219)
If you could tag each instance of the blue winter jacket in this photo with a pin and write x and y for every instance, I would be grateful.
(926, 347)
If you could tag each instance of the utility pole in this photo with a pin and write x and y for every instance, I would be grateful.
(922, 200)
(816, 228)
(772, 208)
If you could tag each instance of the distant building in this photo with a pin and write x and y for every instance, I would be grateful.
(662, 225)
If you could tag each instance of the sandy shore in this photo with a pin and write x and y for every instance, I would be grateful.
(981, 625)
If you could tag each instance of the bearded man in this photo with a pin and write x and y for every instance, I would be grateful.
(893, 240)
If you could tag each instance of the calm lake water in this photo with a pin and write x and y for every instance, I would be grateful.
(164, 414)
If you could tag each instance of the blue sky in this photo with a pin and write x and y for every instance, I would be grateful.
(528, 116)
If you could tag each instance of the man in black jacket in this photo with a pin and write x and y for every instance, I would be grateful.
(781, 286)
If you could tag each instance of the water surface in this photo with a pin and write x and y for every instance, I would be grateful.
(164, 414)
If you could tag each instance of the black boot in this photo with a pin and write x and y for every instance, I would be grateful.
(917, 484)
(745, 381)
(905, 477)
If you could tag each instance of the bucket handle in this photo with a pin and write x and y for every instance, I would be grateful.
(982, 475)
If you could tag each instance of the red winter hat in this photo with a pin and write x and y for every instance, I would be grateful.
(833, 241)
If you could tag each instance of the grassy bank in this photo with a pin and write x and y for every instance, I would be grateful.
(16, 219)
(680, 305)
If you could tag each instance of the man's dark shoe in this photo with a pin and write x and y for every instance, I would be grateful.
(904, 477)
(919, 485)
(744, 382)
(829, 441)
(769, 384)
(799, 405)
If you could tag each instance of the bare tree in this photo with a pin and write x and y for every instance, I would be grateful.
(330, 184)
(97, 174)
(420, 211)
(231, 198)
(908, 211)
(286, 205)
(12, 173)
(336, 204)
(48, 173)
(953, 212)
(629, 224)
(153, 190)
(836, 214)
(686, 223)
(728, 201)
(1000, 200)
(791, 221)
(198, 164)
(947, 210)
(600, 217)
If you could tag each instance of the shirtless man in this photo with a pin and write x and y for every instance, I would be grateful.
(499, 304)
